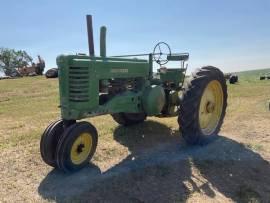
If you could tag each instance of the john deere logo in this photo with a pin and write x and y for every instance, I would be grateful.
(119, 70)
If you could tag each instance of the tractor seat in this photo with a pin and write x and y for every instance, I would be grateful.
(178, 57)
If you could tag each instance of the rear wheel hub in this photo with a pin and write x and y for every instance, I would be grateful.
(210, 107)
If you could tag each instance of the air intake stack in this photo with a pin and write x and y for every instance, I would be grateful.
(103, 41)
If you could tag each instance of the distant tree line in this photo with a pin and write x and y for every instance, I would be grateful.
(11, 59)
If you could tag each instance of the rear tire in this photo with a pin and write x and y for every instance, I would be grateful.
(203, 105)
(52, 73)
(129, 118)
(233, 79)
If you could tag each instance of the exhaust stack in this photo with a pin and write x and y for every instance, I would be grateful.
(90, 35)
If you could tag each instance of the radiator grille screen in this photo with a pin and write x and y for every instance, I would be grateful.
(78, 84)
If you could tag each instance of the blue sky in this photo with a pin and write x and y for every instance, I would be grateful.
(231, 34)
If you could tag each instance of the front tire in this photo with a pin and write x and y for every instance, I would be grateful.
(203, 105)
(76, 147)
(49, 141)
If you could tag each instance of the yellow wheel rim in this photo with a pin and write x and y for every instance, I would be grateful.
(81, 148)
(211, 106)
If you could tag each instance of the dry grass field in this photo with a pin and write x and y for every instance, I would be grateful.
(145, 163)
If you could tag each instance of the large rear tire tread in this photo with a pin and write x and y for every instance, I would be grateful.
(188, 118)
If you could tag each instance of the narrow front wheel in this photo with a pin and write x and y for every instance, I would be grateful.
(76, 147)
(49, 141)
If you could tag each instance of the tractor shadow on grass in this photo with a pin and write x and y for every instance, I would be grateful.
(161, 168)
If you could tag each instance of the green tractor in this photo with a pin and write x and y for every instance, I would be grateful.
(127, 88)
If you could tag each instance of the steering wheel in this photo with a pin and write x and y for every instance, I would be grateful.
(160, 53)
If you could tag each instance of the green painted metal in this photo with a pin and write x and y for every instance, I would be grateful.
(79, 78)
(97, 85)
(153, 100)
(172, 75)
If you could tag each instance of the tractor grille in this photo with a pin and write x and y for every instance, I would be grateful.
(78, 84)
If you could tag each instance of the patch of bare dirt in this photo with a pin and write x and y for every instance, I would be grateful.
(223, 171)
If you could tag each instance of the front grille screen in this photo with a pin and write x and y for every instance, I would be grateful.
(78, 84)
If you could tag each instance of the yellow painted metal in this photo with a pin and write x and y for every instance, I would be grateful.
(81, 148)
(211, 105)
